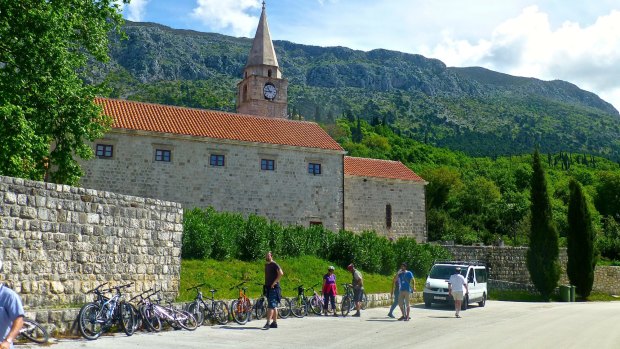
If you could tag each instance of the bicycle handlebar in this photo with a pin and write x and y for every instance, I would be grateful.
(196, 287)
(96, 288)
(141, 294)
(238, 286)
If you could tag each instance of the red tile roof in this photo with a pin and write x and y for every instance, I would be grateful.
(215, 124)
(379, 168)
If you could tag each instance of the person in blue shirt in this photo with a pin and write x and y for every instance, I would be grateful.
(11, 316)
(404, 282)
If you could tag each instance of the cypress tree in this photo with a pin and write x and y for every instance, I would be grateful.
(543, 252)
(581, 254)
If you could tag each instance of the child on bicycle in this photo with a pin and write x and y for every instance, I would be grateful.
(329, 290)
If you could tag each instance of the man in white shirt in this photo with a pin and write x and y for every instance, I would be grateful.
(457, 288)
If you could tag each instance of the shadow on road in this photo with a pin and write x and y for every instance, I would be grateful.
(241, 328)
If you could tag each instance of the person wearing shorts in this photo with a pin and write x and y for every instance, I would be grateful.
(11, 316)
(273, 274)
(457, 288)
(358, 288)
(404, 280)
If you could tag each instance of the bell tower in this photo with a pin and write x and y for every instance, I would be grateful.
(262, 91)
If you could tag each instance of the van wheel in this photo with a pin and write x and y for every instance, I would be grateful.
(427, 304)
(465, 302)
(483, 301)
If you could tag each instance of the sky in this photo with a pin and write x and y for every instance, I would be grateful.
(572, 40)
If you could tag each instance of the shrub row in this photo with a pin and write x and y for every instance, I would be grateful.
(220, 235)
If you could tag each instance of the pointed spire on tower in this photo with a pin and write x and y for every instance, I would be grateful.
(262, 52)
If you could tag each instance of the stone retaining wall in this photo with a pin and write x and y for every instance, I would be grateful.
(59, 241)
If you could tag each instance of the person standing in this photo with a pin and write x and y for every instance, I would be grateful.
(404, 282)
(457, 288)
(11, 315)
(358, 288)
(273, 274)
(329, 290)
(395, 294)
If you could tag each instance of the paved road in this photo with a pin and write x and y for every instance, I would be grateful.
(498, 325)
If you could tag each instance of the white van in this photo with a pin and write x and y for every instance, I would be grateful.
(436, 287)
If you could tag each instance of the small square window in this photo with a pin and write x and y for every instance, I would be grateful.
(267, 165)
(314, 169)
(163, 155)
(216, 160)
(104, 150)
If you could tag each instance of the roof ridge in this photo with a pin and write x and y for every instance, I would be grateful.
(359, 157)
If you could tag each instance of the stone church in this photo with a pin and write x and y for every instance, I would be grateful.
(255, 161)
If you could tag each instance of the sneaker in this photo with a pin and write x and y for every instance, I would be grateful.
(273, 325)
(335, 315)
(392, 316)
(356, 314)
(457, 315)
(266, 327)
(407, 319)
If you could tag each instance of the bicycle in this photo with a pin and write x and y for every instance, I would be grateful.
(347, 304)
(211, 309)
(150, 320)
(315, 302)
(261, 303)
(138, 319)
(241, 308)
(33, 331)
(299, 304)
(99, 316)
(174, 317)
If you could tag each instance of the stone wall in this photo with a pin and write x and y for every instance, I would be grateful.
(59, 241)
(288, 194)
(508, 264)
(365, 204)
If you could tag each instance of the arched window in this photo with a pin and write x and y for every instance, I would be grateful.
(244, 95)
(388, 216)
(269, 73)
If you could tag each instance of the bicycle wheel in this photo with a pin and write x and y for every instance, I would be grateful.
(298, 306)
(137, 319)
(34, 332)
(316, 305)
(260, 308)
(364, 301)
(239, 312)
(345, 306)
(125, 318)
(90, 322)
(284, 308)
(220, 312)
(197, 309)
(186, 320)
(149, 319)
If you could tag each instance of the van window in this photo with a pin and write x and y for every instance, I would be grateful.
(444, 271)
(470, 277)
(481, 275)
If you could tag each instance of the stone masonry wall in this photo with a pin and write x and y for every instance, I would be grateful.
(365, 206)
(289, 194)
(508, 264)
(59, 241)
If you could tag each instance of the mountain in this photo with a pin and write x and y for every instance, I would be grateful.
(472, 109)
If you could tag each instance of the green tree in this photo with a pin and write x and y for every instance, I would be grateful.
(581, 253)
(47, 113)
(608, 194)
(543, 252)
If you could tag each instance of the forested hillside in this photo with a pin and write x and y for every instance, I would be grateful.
(480, 112)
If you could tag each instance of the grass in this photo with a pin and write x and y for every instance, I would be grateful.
(306, 270)
(525, 296)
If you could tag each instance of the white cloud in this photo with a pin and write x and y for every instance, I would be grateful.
(528, 45)
(229, 16)
(136, 10)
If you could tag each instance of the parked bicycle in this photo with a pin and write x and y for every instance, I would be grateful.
(315, 302)
(241, 308)
(210, 308)
(33, 331)
(347, 304)
(99, 316)
(261, 304)
(299, 303)
(139, 301)
(149, 319)
(174, 317)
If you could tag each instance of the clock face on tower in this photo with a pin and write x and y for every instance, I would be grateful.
(269, 91)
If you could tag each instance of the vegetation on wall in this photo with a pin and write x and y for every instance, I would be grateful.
(209, 234)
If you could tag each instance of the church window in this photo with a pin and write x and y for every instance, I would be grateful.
(388, 216)
(104, 150)
(269, 73)
(314, 169)
(244, 96)
(267, 165)
(163, 155)
(216, 160)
